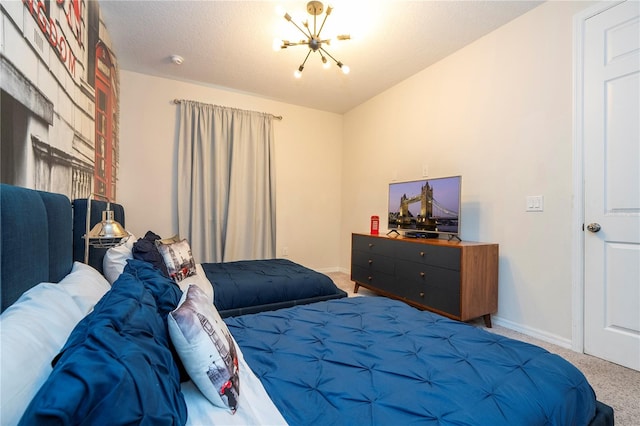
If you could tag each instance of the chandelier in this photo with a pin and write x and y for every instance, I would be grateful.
(313, 40)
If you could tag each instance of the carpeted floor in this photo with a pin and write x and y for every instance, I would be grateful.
(614, 385)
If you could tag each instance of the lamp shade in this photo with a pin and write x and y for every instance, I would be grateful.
(108, 227)
(106, 233)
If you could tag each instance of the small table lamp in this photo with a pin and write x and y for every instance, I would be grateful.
(106, 233)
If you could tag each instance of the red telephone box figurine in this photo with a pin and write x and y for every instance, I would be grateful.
(375, 225)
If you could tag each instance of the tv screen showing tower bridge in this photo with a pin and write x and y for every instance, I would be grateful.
(429, 205)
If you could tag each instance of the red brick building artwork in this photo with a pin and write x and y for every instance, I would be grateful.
(59, 98)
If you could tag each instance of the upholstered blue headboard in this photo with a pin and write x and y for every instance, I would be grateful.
(36, 240)
(40, 237)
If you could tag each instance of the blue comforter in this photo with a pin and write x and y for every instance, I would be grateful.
(376, 361)
(117, 366)
(250, 286)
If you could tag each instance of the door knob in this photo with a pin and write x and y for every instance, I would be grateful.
(593, 227)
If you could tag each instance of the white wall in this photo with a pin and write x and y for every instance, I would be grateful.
(498, 112)
(308, 178)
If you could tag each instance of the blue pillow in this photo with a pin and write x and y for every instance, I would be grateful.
(117, 367)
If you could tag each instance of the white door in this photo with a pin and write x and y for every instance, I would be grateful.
(611, 134)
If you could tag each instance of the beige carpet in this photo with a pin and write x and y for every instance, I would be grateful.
(614, 385)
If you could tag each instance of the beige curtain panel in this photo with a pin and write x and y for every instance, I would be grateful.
(226, 183)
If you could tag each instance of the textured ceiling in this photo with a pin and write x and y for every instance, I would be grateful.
(229, 43)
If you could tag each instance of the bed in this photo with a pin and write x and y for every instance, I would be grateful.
(239, 287)
(365, 360)
(251, 286)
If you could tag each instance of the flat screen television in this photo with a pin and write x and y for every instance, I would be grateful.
(426, 208)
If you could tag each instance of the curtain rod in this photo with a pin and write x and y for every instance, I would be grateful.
(179, 101)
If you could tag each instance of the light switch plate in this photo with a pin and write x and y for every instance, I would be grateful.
(535, 203)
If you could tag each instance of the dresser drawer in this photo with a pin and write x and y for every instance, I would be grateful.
(373, 244)
(380, 280)
(444, 257)
(436, 288)
(373, 262)
(440, 296)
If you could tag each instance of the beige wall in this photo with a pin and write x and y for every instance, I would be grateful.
(498, 112)
(308, 177)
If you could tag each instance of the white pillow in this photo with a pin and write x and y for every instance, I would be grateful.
(206, 348)
(85, 285)
(32, 332)
(115, 259)
(199, 279)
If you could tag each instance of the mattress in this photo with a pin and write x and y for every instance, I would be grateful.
(252, 286)
(379, 361)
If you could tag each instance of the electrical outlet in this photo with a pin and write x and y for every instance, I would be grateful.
(535, 203)
(285, 251)
(425, 170)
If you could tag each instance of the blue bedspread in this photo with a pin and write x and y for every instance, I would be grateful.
(117, 367)
(251, 286)
(376, 361)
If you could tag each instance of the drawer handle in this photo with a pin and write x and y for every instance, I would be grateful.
(422, 274)
(370, 245)
(370, 261)
(369, 278)
(421, 294)
(422, 253)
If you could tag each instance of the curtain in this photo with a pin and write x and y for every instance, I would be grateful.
(226, 183)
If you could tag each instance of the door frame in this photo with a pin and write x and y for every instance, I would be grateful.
(577, 222)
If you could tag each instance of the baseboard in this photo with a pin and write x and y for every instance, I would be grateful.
(333, 269)
(533, 332)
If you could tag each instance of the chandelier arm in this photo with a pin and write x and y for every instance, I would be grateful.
(329, 55)
(305, 58)
(301, 30)
(308, 33)
(321, 26)
(296, 43)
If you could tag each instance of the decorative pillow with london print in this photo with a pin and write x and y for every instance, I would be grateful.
(206, 348)
(178, 259)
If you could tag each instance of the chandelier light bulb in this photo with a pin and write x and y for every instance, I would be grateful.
(277, 44)
(345, 68)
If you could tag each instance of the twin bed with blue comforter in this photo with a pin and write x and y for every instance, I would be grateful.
(240, 287)
(103, 355)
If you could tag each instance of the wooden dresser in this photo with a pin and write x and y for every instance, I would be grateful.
(453, 278)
